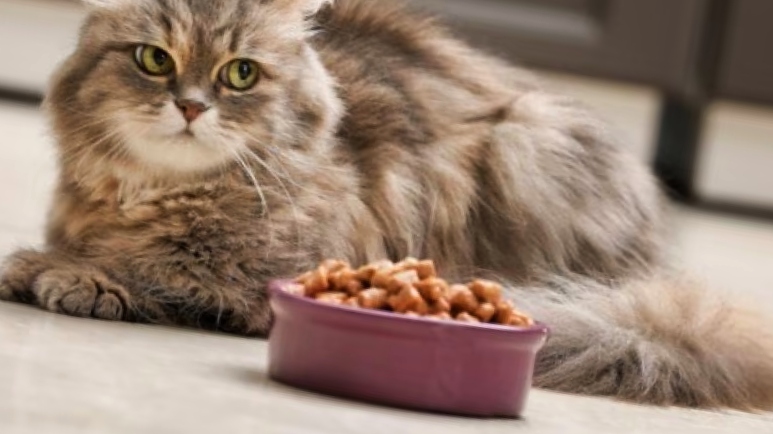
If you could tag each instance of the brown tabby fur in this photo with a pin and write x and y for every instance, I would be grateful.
(374, 135)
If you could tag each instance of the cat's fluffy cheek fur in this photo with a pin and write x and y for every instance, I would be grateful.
(163, 144)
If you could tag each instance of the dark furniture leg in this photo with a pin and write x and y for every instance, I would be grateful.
(677, 146)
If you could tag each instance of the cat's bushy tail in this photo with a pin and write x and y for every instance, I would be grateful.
(663, 341)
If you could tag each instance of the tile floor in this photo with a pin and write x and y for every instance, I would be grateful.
(66, 375)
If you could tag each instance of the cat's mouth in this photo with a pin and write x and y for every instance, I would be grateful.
(186, 134)
(188, 148)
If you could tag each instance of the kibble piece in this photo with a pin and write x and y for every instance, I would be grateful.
(352, 302)
(382, 278)
(466, 317)
(317, 282)
(443, 316)
(332, 297)
(396, 286)
(432, 288)
(408, 276)
(486, 312)
(333, 265)
(366, 272)
(505, 312)
(373, 298)
(385, 264)
(296, 289)
(406, 264)
(353, 287)
(462, 298)
(486, 290)
(407, 300)
(303, 278)
(421, 307)
(401, 280)
(341, 278)
(440, 306)
(426, 269)
(520, 320)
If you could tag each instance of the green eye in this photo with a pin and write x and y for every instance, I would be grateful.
(153, 60)
(240, 74)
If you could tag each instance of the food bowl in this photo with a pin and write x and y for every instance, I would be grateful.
(482, 370)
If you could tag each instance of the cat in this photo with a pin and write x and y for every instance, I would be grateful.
(207, 146)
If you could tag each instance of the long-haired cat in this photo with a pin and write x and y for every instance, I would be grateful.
(207, 146)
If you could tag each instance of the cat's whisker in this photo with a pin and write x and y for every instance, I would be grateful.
(253, 180)
(287, 194)
(287, 177)
(88, 123)
(85, 126)
(312, 163)
(281, 167)
(85, 153)
(265, 212)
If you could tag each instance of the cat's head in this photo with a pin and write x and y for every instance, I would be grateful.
(188, 86)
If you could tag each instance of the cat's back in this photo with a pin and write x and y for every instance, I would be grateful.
(385, 32)
(403, 77)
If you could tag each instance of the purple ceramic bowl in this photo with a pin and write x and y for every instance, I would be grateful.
(380, 357)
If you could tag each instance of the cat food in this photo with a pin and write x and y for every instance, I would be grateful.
(410, 287)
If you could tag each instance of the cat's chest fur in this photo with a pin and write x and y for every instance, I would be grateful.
(219, 229)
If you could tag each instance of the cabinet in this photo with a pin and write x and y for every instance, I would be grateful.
(694, 51)
(746, 68)
(653, 41)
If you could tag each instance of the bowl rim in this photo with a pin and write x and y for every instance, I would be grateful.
(276, 289)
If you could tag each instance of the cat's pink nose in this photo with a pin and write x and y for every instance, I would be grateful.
(191, 109)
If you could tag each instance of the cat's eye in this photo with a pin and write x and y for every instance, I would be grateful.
(240, 74)
(153, 60)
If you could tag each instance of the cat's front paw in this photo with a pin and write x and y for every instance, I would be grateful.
(82, 293)
(6, 293)
(19, 271)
